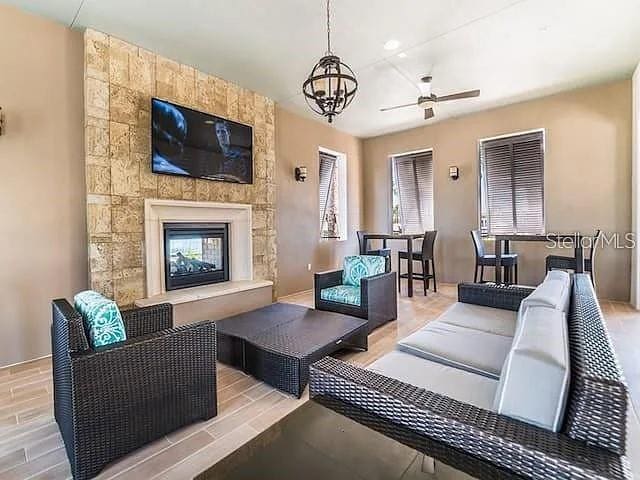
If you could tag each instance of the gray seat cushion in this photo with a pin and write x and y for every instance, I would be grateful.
(486, 319)
(436, 377)
(534, 383)
(464, 348)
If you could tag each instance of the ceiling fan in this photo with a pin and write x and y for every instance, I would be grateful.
(428, 99)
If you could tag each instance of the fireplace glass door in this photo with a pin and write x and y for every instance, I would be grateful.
(195, 254)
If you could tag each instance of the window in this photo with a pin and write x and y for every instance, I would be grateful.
(333, 195)
(512, 184)
(413, 192)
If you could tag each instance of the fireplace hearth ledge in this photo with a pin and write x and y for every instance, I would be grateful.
(194, 294)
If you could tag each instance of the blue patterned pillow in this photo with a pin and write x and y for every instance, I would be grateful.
(356, 267)
(101, 317)
(341, 294)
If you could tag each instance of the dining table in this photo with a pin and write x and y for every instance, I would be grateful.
(502, 245)
(406, 237)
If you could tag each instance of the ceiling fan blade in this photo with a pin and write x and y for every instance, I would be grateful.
(398, 106)
(428, 113)
(457, 96)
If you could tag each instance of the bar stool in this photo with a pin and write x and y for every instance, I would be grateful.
(569, 263)
(381, 252)
(508, 260)
(425, 257)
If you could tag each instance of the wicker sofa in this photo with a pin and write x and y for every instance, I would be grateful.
(448, 398)
(111, 400)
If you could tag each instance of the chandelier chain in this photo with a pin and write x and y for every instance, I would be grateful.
(328, 27)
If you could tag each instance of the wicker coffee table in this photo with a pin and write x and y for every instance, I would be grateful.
(277, 343)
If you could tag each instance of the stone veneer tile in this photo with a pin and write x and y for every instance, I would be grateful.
(98, 179)
(186, 86)
(120, 80)
(188, 189)
(98, 218)
(125, 176)
(125, 104)
(102, 282)
(96, 137)
(128, 285)
(96, 55)
(127, 215)
(128, 255)
(97, 98)
(142, 71)
(148, 180)
(100, 257)
(169, 187)
(205, 91)
(119, 140)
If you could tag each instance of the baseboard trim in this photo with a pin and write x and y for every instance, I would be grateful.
(25, 361)
(295, 294)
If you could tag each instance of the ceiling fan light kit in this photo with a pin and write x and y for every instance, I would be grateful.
(332, 85)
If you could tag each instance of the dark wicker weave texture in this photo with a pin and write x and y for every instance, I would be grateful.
(506, 297)
(112, 400)
(592, 445)
(597, 407)
(378, 297)
(520, 448)
(277, 343)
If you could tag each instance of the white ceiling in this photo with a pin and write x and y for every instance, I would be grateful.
(511, 50)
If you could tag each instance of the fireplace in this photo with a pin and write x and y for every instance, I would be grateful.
(195, 254)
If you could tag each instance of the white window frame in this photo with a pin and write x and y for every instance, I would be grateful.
(343, 206)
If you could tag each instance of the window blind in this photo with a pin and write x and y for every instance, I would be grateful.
(513, 183)
(414, 181)
(326, 194)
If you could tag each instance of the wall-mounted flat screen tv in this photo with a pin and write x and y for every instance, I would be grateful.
(196, 144)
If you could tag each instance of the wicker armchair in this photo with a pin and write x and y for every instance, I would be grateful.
(378, 297)
(111, 400)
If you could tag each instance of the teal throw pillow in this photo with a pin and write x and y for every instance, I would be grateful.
(102, 318)
(357, 267)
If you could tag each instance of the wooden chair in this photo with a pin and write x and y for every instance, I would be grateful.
(508, 260)
(425, 257)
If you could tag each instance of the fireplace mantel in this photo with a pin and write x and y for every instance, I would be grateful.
(160, 211)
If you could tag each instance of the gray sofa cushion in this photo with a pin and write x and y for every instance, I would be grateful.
(534, 383)
(465, 348)
(486, 319)
(436, 377)
(553, 292)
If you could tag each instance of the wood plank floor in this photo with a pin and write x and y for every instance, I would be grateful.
(31, 446)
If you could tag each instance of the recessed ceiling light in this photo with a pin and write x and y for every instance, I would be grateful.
(402, 55)
(391, 44)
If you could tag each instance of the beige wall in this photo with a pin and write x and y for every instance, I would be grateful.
(297, 143)
(43, 243)
(120, 80)
(587, 177)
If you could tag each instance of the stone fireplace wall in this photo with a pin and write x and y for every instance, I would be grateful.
(120, 80)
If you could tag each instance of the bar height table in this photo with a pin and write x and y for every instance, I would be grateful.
(409, 238)
(575, 238)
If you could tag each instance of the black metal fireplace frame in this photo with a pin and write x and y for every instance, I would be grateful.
(196, 279)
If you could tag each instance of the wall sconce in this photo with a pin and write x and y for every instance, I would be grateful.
(1, 121)
(301, 174)
(454, 173)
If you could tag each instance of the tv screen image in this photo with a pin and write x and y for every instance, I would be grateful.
(196, 144)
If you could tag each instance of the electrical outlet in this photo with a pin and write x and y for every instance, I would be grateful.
(308, 266)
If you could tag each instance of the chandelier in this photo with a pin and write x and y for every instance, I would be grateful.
(331, 85)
